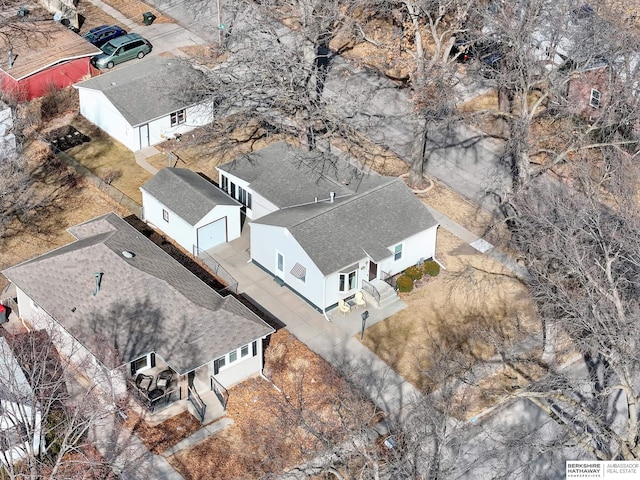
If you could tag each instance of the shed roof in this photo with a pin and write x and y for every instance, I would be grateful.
(148, 89)
(38, 45)
(146, 303)
(186, 193)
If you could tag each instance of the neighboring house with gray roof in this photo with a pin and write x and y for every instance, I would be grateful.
(189, 209)
(145, 103)
(20, 415)
(121, 306)
(325, 227)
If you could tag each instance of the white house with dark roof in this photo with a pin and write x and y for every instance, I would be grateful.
(190, 209)
(145, 103)
(120, 306)
(20, 415)
(324, 227)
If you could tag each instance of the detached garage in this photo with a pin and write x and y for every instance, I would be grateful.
(190, 210)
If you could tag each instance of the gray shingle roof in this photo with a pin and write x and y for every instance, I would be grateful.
(148, 303)
(186, 193)
(147, 89)
(338, 234)
(288, 176)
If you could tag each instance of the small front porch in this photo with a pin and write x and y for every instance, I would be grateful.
(160, 393)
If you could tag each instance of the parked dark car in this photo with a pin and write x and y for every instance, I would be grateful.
(102, 34)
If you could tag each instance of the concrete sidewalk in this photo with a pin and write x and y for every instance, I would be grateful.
(165, 37)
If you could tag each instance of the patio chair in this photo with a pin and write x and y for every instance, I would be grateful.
(164, 379)
(359, 299)
(343, 308)
(143, 382)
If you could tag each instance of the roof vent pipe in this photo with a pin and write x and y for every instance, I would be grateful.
(316, 200)
(10, 58)
(98, 277)
(332, 196)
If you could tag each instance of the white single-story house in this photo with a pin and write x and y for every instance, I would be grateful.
(190, 209)
(324, 227)
(118, 306)
(145, 103)
(20, 415)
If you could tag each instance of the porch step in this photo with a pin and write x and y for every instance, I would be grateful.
(387, 294)
(214, 407)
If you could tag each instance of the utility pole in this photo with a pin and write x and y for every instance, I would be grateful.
(220, 25)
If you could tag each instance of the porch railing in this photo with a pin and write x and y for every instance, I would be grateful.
(371, 290)
(197, 402)
(156, 404)
(220, 391)
(387, 278)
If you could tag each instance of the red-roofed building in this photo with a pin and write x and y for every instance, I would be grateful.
(43, 56)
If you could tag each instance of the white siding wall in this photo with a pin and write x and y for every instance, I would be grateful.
(176, 228)
(333, 293)
(232, 212)
(415, 248)
(266, 240)
(111, 382)
(161, 129)
(95, 107)
(260, 206)
(241, 369)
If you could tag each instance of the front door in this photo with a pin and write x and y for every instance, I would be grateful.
(373, 270)
(144, 135)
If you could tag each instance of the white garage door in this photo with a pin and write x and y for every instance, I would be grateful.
(212, 234)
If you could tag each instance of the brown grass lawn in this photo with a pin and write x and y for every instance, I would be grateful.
(133, 9)
(268, 435)
(94, 16)
(68, 201)
(103, 155)
(467, 309)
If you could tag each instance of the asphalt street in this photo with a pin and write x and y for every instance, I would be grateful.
(459, 156)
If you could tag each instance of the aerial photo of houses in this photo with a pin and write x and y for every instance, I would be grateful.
(319, 239)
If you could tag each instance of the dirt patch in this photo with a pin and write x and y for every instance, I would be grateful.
(267, 435)
(461, 315)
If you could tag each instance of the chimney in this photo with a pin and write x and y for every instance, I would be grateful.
(332, 196)
(98, 277)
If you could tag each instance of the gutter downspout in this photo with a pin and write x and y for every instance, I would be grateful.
(324, 298)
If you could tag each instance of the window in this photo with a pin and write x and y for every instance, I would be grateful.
(280, 265)
(218, 364)
(347, 281)
(233, 356)
(165, 215)
(224, 183)
(244, 351)
(244, 197)
(594, 101)
(232, 189)
(397, 252)
(178, 117)
(254, 348)
(140, 364)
